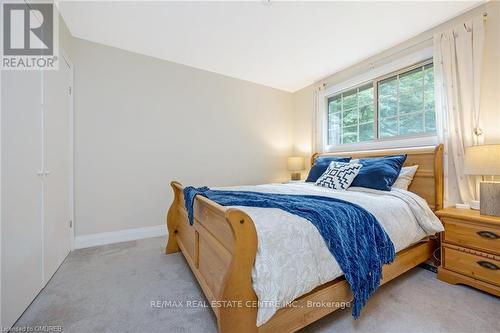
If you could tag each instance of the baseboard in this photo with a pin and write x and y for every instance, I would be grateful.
(119, 236)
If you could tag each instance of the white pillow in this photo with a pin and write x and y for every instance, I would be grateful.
(339, 175)
(405, 177)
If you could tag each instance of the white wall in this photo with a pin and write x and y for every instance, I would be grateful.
(490, 98)
(142, 122)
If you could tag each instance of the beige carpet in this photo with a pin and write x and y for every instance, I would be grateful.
(110, 289)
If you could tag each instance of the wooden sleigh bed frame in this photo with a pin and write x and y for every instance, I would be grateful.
(220, 247)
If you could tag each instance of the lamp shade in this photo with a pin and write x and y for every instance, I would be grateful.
(295, 163)
(483, 160)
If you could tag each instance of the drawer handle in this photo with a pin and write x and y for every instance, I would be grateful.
(488, 234)
(488, 265)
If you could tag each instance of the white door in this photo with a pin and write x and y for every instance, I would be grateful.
(57, 166)
(36, 166)
(21, 192)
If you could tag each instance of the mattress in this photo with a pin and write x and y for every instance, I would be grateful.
(292, 257)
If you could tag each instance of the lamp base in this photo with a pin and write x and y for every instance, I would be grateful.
(295, 175)
(490, 198)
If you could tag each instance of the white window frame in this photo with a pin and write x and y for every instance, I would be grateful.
(425, 139)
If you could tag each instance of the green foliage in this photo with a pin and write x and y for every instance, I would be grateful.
(388, 127)
(350, 117)
(350, 134)
(388, 97)
(366, 132)
(366, 113)
(411, 124)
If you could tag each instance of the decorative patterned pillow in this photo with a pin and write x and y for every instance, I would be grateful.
(321, 164)
(339, 175)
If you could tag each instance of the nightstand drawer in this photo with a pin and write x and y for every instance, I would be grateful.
(485, 269)
(471, 235)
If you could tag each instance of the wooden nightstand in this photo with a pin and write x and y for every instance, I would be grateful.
(470, 249)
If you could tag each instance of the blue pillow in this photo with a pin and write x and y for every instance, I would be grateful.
(321, 164)
(379, 173)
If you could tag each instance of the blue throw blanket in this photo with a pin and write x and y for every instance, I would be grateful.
(353, 235)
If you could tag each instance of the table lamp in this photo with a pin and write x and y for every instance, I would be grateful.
(295, 164)
(484, 160)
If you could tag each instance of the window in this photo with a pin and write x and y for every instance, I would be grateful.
(398, 105)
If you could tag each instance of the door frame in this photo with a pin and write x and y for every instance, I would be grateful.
(1, 152)
(65, 57)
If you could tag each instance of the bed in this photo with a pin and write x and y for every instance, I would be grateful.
(221, 249)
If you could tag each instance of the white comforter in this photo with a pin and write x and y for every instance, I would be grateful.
(292, 257)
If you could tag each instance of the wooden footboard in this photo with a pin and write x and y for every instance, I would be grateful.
(220, 247)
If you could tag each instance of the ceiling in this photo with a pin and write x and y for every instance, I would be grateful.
(285, 45)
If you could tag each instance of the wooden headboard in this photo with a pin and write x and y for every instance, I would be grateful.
(428, 181)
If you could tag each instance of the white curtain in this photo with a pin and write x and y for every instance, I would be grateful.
(318, 121)
(458, 57)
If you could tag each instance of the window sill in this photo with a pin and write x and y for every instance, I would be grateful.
(419, 141)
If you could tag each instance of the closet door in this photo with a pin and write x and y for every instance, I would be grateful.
(58, 165)
(21, 160)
